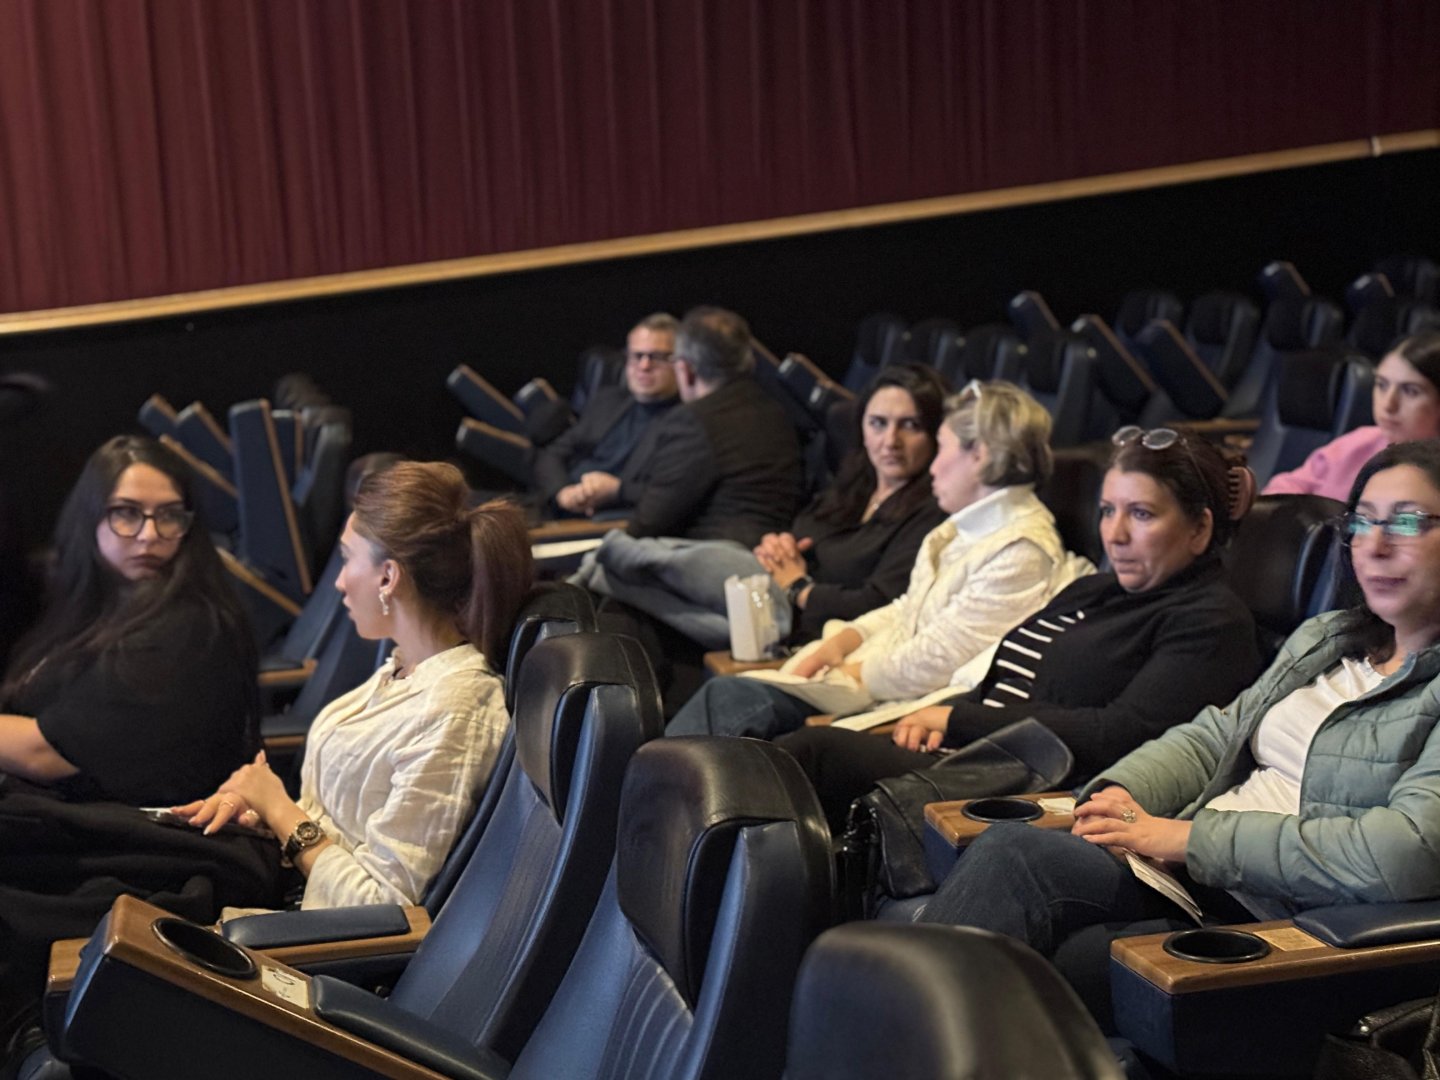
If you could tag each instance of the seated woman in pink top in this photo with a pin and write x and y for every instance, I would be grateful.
(1406, 406)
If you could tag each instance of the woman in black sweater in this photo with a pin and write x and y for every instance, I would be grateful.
(1115, 658)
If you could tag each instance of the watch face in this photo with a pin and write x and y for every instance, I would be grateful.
(307, 833)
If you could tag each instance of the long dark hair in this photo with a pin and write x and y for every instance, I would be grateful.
(844, 501)
(1375, 638)
(91, 608)
(473, 565)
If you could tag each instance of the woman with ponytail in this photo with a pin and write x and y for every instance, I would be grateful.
(393, 768)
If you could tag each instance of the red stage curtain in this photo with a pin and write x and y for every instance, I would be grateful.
(158, 146)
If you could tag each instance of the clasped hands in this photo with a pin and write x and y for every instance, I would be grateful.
(251, 796)
(783, 557)
(593, 491)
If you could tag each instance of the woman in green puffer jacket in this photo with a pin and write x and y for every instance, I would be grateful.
(1318, 785)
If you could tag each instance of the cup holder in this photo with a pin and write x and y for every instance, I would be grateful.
(204, 947)
(1216, 946)
(1002, 808)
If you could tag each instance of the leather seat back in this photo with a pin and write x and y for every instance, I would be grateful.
(989, 351)
(552, 609)
(505, 936)
(722, 876)
(936, 344)
(879, 340)
(1281, 560)
(1413, 276)
(1319, 394)
(1292, 324)
(913, 1002)
(1221, 329)
(1140, 307)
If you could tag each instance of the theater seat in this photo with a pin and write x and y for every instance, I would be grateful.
(991, 351)
(1061, 372)
(923, 1002)
(1030, 314)
(1319, 394)
(1291, 324)
(1140, 307)
(158, 416)
(503, 940)
(936, 344)
(1280, 280)
(1281, 563)
(879, 340)
(1414, 277)
(721, 876)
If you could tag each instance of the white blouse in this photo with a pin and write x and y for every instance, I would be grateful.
(392, 771)
(1282, 740)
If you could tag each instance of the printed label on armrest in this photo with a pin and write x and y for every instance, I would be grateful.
(285, 986)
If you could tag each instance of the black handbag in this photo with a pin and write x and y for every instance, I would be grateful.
(1398, 1043)
(882, 851)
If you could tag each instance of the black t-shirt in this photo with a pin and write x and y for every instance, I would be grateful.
(159, 719)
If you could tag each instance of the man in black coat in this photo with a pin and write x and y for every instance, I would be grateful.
(726, 463)
(578, 473)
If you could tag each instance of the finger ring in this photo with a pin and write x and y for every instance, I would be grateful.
(228, 802)
(250, 815)
(1128, 816)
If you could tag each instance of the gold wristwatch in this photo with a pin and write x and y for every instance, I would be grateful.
(306, 834)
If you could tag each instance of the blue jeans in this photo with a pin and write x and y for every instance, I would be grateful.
(730, 705)
(679, 582)
(1064, 897)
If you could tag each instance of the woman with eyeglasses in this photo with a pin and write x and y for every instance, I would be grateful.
(1117, 657)
(139, 683)
(1318, 785)
(997, 559)
(1406, 405)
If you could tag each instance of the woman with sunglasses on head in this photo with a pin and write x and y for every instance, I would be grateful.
(1318, 785)
(1406, 405)
(1116, 657)
(140, 680)
(996, 560)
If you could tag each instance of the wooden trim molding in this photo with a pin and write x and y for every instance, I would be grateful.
(396, 277)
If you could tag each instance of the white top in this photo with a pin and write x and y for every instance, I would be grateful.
(1282, 741)
(392, 772)
(990, 566)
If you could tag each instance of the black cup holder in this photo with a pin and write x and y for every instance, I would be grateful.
(1216, 946)
(204, 947)
(1001, 808)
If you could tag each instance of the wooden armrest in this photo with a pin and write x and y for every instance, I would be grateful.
(722, 663)
(573, 529)
(949, 821)
(65, 954)
(288, 678)
(1217, 428)
(276, 1001)
(1294, 954)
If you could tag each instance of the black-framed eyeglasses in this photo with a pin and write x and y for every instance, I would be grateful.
(655, 356)
(128, 522)
(1160, 438)
(1406, 525)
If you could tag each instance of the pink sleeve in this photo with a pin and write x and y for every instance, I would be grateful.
(1331, 469)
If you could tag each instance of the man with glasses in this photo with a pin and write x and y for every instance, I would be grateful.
(725, 465)
(581, 472)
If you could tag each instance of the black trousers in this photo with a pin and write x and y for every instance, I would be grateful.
(844, 765)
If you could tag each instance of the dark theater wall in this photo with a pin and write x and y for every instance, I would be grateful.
(386, 354)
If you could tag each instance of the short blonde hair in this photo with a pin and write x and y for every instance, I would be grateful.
(1012, 425)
